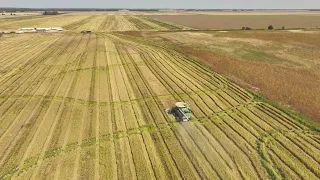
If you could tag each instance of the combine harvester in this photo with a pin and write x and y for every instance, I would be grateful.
(86, 32)
(181, 111)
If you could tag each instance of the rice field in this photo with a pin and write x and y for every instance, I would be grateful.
(89, 21)
(76, 106)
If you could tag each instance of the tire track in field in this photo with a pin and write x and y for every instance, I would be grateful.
(273, 136)
(308, 162)
(290, 121)
(111, 108)
(185, 64)
(276, 114)
(23, 131)
(125, 122)
(68, 131)
(193, 75)
(146, 84)
(56, 120)
(186, 70)
(84, 115)
(104, 23)
(123, 134)
(33, 72)
(162, 137)
(12, 72)
(35, 61)
(79, 23)
(41, 123)
(201, 70)
(249, 158)
(269, 116)
(102, 103)
(10, 127)
(200, 96)
(15, 48)
(12, 55)
(8, 45)
(147, 159)
(277, 128)
(97, 152)
(121, 94)
(198, 147)
(283, 171)
(153, 117)
(184, 61)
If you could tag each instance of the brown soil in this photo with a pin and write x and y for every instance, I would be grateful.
(298, 88)
(237, 22)
(284, 37)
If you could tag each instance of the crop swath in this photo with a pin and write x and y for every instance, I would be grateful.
(92, 107)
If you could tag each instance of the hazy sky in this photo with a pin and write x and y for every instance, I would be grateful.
(213, 4)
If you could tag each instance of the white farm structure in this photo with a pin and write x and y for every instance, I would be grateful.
(40, 29)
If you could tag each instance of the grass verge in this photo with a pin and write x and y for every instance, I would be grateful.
(288, 111)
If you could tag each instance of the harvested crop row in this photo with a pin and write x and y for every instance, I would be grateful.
(35, 75)
(100, 100)
(34, 112)
(141, 162)
(138, 23)
(152, 106)
(13, 74)
(94, 23)
(57, 118)
(180, 84)
(73, 130)
(77, 24)
(10, 52)
(209, 166)
(190, 74)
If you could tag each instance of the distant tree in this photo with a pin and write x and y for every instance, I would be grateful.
(283, 27)
(51, 13)
(270, 27)
(243, 28)
(248, 28)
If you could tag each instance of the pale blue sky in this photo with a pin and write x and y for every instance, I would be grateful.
(208, 4)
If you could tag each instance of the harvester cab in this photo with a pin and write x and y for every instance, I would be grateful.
(181, 111)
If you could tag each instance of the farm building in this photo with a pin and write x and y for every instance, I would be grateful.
(42, 29)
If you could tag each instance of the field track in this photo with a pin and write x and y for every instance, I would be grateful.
(76, 106)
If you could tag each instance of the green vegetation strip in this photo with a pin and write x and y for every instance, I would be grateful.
(101, 103)
(32, 161)
(289, 112)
